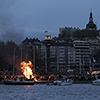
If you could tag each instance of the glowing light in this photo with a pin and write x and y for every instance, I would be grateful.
(95, 72)
(26, 69)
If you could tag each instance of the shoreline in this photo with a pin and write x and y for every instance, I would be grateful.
(75, 82)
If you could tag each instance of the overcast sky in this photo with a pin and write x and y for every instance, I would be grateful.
(30, 18)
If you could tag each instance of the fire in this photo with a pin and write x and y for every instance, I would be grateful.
(95, 72)
(26, 69)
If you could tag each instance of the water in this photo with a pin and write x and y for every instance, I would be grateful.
(45, 92)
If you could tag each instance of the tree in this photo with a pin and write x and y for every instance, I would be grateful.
(85, 33)
(67, 32)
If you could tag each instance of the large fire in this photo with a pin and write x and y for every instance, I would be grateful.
(27, 69)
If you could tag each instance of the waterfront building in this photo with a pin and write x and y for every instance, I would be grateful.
(58, 54)
(82, 54)
(43, 59)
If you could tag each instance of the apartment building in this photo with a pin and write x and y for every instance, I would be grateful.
(61, 55)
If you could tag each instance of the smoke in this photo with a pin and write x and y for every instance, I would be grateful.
(7, 29)
(6, 3)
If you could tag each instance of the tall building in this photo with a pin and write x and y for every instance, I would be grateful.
(56, 55)
(82, 54)
(91, 25)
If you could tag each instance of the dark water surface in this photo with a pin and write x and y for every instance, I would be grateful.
(45, 92)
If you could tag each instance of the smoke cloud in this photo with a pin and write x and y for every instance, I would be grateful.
(7, 30)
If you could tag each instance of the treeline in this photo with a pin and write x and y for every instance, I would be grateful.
(85, 33)
(6, 55)
(69, 32)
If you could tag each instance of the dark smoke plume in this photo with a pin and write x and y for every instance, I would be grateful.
(7, 29)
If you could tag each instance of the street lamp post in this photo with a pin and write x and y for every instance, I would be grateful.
(14, 62)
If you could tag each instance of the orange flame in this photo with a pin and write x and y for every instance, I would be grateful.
(26, 69)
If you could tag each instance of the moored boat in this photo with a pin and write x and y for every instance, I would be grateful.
(19, 82)
(62, 82)
(96, 82)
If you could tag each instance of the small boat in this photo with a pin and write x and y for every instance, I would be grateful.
(19, 82)
(57, 81)
(96, 82)
(62, 82)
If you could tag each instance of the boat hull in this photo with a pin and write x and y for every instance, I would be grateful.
(65, 84)
(19, 83)
(96, 82)
(62, 83)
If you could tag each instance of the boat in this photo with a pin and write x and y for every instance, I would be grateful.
(24, 82)
(19, 82)
(25, 79)
(96, 82)
(62, 82)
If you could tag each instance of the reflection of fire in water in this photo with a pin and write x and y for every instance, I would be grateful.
(26, 69)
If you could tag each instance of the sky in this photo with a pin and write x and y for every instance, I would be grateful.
(30, 18)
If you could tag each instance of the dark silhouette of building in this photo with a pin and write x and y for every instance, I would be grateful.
(91, 25)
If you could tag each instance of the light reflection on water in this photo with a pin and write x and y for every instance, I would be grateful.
(27, 85)
(44, 92)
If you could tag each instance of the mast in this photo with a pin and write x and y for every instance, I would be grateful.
(21, 53)
(46, 60)
(34, 58)
(57, 61)
(14, 62)
(26, 64)
(83, 63)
